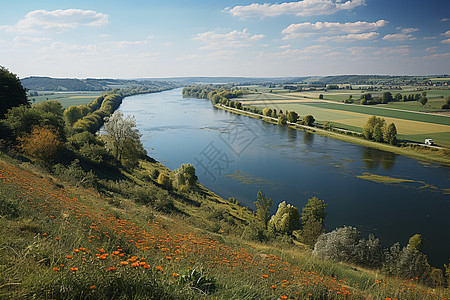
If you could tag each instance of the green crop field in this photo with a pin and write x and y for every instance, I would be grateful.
(66, 98)
(410, 124)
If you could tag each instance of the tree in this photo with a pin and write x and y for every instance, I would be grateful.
(122, 139)
(387, 97)
(314, 209)
(398, 97)
(286, 219)
(377, 134)
(423, 100)
(51, 106)
(308, 120)
(267, 112)
(416, 242)
(321, 96)
(263, 205)
(292, 117)
(338, 244)
(185, 176)
(390, 134)
(42, 143)
(368, 129)
(282, 120)
(12, 93)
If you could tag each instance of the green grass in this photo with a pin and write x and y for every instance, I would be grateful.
(67, 98)
(60, 226)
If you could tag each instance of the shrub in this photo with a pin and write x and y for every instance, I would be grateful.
(286, 219)
(42, 143)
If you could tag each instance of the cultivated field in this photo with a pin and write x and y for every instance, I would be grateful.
(66, 98)
(411, 124)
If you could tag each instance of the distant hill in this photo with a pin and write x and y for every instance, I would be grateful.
(90, 84)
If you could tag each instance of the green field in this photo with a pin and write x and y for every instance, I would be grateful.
(411, 124)
(66, 98)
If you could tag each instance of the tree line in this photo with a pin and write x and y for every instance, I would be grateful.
(343, 244)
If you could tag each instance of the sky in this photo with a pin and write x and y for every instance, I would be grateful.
(150, 39)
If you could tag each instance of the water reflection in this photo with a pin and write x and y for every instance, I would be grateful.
(374, 158)
(308, 138)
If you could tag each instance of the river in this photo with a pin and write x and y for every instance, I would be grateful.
(391, 196)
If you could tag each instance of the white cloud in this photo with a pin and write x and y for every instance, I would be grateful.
(431, 49)
(233, 39)
(148, 55)
(447, 41)
(447, 33)
(130, 43)
(351, 37)
(444, 19)
(408, 30)
(300, 8)
(57, 20)
(398, 37)
(402, 50)
(405, 34)
(285, 46)
(300, 29)
(441, 55)
(21, 39)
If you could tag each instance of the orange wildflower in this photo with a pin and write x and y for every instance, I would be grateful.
(146, 266)
(168, 257)
(69, 257)
(73, 269)
(124, 263)
(265, 276)
(55, 269)
(283, 297)
(175, 275)
(93, 287)
(159, 268)
(274, 286)
(111, 269)
(76, 250)
(135, 265)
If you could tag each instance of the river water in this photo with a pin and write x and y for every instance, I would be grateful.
(235, 156)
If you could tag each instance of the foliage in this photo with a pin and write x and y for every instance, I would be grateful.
(165, 181)
(122, 139)
(390, 134)
(282, 120)
(42, 143)
(416, 242)
(308, 120)
(185, 176)
(263, 205)
(22, 119)
(292, 117)
(12, 93)
(198, 281)
(369, 127)
(314, 209)
(50, 106)
(267, 112)
(75, 174)
(286, 219)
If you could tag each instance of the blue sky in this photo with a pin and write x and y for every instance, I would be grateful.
(138, 38)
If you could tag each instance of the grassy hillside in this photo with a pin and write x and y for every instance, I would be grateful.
(60, 241)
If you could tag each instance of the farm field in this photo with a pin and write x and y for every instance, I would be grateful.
(411, 125)
(66, 98)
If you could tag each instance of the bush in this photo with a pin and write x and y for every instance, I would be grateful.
(286, 219)
(42, 143)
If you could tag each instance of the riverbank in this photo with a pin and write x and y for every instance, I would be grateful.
(428, 155)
